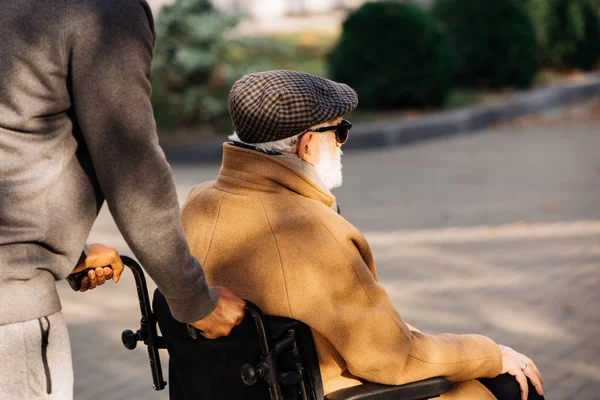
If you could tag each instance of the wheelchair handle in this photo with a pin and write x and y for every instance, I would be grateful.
(76, 278)
(250, 374)
(259, 320)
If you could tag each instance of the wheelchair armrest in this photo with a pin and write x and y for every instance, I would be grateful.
(425, 389)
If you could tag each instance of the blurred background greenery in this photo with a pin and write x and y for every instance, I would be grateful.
(402, 58)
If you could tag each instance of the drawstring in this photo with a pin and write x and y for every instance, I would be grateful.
(45, 335)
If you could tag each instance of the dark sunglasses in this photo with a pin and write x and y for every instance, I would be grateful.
(342, 131)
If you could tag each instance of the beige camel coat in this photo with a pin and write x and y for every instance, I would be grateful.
(269, 233)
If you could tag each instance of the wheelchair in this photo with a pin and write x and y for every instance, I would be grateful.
(264, 358)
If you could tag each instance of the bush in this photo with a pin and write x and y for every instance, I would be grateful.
(568, 32)
(393, 55)
(493, 42)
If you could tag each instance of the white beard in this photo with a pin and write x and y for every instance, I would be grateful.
(329, 170)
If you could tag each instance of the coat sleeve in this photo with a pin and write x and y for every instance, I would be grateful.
(109, 46)
(332, 289)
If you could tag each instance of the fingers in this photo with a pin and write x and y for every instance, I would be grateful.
(95, 278)
(105, 264)
(228, 314)
(85, 284)
(100, 275)
(537, 371)
(108, 273)
(535, 381)
(117, 267)
(534, 369)
(214, 329)
(240, 320)
(535, 377)
(101, 256)
(522, 379)
(91, 278)
(532, 372)
(213, 336)
(513, 362)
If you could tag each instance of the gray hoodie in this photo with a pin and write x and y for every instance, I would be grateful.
(76, 128)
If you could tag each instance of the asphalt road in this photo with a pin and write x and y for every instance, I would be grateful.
(496, 233)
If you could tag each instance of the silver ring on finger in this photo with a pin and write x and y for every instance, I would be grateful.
(524, 366)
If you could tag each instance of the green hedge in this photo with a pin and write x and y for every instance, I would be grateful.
(568, 32)
(393, 55)
(493, 42)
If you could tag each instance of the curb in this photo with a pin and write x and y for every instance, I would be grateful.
(398, 132)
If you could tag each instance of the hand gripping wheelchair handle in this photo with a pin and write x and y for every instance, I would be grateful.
(76, 279)
(250, 374)
(147, 332)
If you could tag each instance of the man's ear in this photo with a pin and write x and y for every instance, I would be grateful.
(306, 149)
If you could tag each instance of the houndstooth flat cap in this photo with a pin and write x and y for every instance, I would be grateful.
(274, 105)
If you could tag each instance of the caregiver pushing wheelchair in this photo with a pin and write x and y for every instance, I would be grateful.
(77, 128)
(318, 323)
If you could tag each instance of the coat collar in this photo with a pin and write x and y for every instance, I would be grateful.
(244, 169)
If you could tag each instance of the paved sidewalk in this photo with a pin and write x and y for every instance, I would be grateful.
(497, 233)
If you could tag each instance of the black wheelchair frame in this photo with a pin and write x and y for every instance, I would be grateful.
(302, 375)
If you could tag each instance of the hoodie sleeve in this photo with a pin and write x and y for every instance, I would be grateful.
(110, 46)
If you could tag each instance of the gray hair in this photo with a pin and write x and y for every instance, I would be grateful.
(287, 145)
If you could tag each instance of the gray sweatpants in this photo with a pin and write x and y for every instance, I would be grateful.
(35, 360)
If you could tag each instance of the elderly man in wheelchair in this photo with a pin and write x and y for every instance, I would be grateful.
(269, 229)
